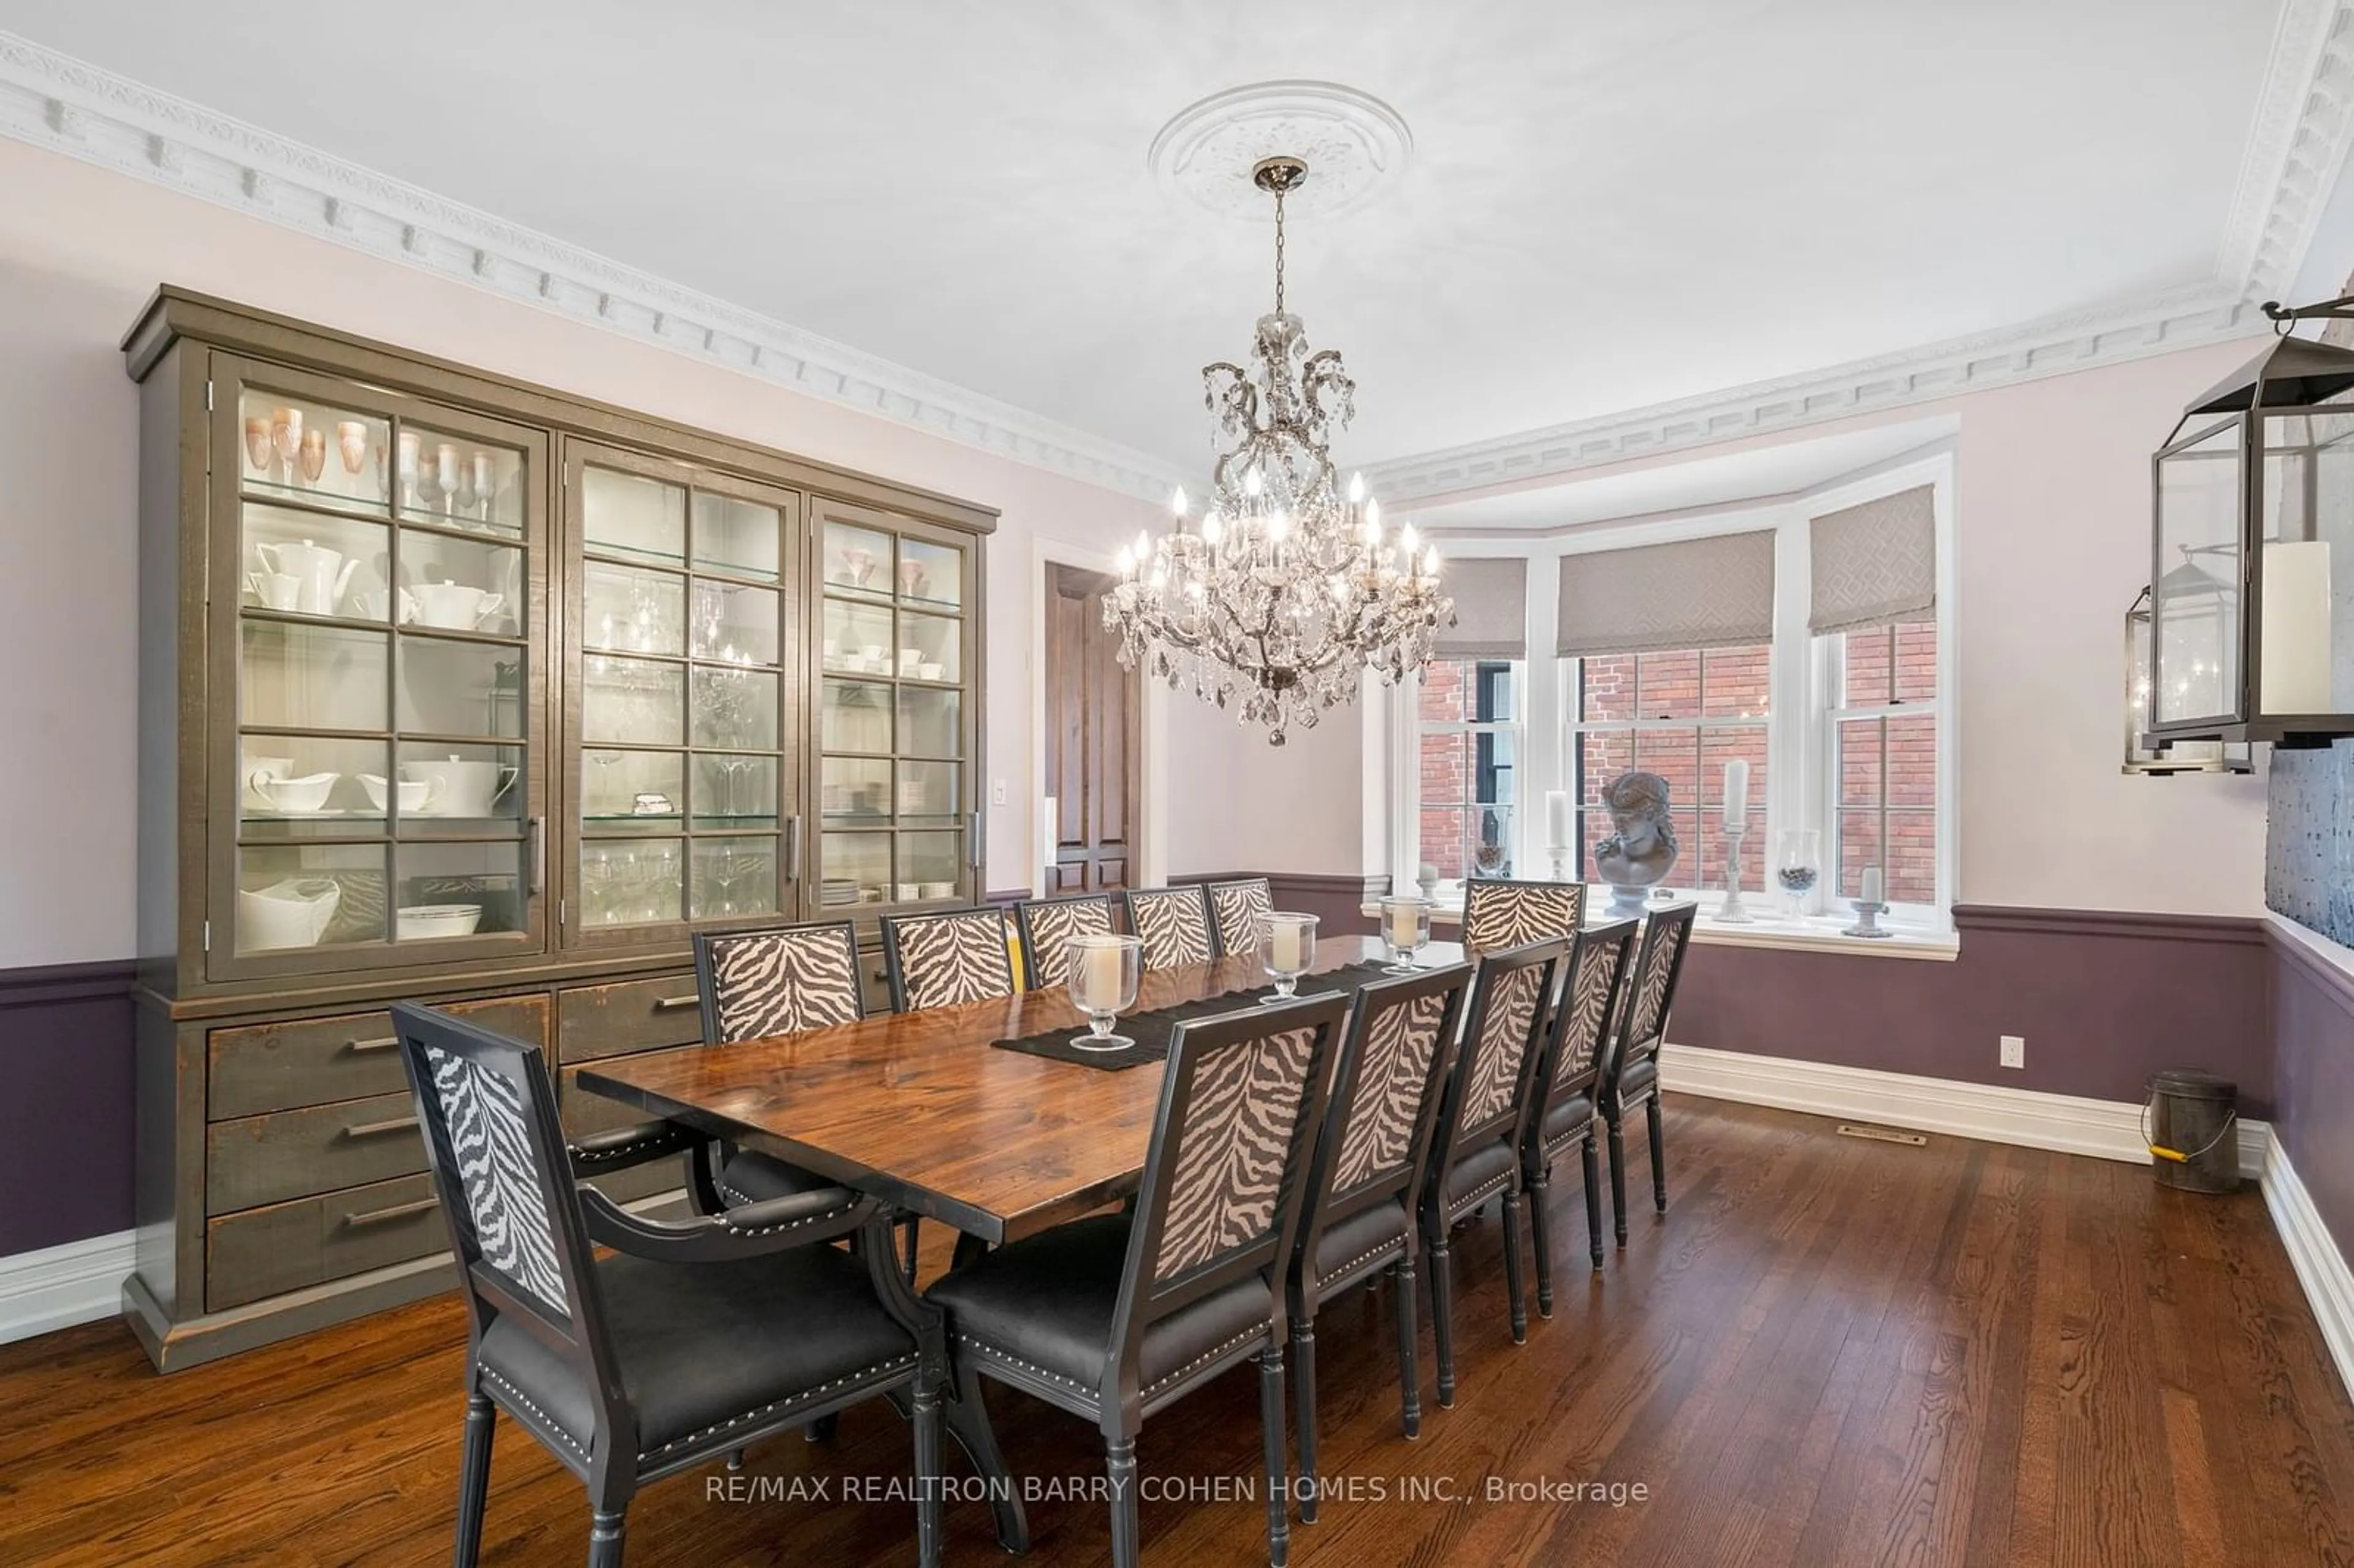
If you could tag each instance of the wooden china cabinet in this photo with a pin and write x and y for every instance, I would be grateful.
(457, 688)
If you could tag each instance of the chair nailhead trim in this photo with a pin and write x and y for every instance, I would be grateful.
(993, 1353)
(1487, 1190)
(835, 1213)
(732, 1195)
(1207, 1356)
(1334, 1274)
(518, 1395)
(808, 1393)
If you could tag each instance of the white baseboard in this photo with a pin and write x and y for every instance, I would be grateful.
(2313, 1252)
(59, 1286)
(2070, 1124)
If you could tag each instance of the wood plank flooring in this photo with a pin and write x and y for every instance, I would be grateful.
(1829, 1351)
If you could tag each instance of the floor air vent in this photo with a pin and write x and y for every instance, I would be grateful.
(1883, 1134)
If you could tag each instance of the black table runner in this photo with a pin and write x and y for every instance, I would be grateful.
(1152, 1031)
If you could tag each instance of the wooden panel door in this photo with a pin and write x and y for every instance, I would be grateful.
(1094, 711)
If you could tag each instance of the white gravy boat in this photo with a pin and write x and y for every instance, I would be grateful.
(454, 606)
(324, 573)
(308, 794)
(459, 787)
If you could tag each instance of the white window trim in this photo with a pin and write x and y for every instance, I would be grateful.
(1799, 777)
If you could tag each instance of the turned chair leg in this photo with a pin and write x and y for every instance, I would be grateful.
(1592, 1196)
(1303, 1396)
(1515, 1287)
(605, 1539)
(1658, 1156)
(1618, 1182)
(928, 1471)
(1442, 1316)
(1119, 1464)
(1541, 1232)
(1270, 1416)
(474, 1477)
(1409, 1372)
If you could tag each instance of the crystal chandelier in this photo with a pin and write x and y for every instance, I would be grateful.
(1286, 589)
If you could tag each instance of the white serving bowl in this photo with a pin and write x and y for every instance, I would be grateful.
(423, 922)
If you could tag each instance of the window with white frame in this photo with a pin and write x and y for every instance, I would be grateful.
(1837, 704)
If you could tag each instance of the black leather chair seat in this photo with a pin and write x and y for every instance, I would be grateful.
(747, 1176)
(1047, 1300)
(1640, 1078)
(1477, 1169)
(1568, 1118)
(666, 1320)
(1347, 1241)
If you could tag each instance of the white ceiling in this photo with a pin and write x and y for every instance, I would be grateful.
(1609, 205)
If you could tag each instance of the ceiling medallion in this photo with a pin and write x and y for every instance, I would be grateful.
(1287, 591)
(1357, 145)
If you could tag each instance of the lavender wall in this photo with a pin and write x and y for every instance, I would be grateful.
(2312, 998)
(2103, 999)
(65, 1121)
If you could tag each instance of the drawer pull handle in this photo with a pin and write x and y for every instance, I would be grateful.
(372, 1129)
(359, 1047)
(396, 1212)
(673, 1004)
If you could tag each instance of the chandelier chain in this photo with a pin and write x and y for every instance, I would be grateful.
(1278, 251)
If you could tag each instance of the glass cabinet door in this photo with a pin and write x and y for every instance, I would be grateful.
(381, 559)
(682, 714)
(896, 658)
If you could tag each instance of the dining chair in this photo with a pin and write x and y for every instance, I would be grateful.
(1630, 1074)
(940, 960)
(1562, 1104)
(1114, 1316)
(1046, 926)
(685, 1341)
(1498, 914)
(1475, 1153)
(1234, 909)
(1173, 924)
(1362, 1189)
(754, 985)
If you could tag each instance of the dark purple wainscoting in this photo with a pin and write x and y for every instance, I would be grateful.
(65, 1114)
(2313, 1079)
(2103, 999)
(1337, 902)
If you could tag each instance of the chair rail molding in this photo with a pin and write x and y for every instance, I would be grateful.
(59, 1286)
(66, 105)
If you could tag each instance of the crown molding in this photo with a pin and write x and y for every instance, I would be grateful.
(2296, 145)
(65, 105)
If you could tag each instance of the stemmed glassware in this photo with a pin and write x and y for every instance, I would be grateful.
(1286, 946)
(1105, 970)
(1405, 926)
(1798, 865)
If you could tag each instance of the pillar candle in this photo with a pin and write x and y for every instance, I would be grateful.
(1099, 977)
(2296, 638)
(1283, 948)
(1557, 819)
(1405, 925)
(1872, 884)
(1736, 793)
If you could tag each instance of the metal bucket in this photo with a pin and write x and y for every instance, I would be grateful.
(2190, 1123)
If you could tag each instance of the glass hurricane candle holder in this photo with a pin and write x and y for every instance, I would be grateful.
(1405, 926)
(1104, 972)
(1798, 865)
(1286, 946)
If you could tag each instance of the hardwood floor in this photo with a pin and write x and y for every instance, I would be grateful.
(1828, 1351)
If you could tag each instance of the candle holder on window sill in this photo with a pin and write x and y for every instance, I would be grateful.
(1558, 855)
(1732, 912)
(1867, 920)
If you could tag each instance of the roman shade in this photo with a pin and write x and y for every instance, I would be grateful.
(1491, 608)
(1876, 564)
(1695, 593)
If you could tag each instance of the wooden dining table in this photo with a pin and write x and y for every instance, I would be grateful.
(922, 1110)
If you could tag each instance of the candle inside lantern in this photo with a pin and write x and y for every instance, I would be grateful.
(1283, 948)
(1405, 925)
(1099, 977)
(1736, 793)
(1872, 884)
(1556, 818)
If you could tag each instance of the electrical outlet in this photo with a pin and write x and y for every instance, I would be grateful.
(2014, 1051)
(997, 793)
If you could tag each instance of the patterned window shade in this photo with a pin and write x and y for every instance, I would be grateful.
(1876, 564)
(1694, 593)
(1491, 613)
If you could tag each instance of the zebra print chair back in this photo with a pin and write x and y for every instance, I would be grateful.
(1234, 909)
(1486, 1095)
(1499, 914)
(1666, 933)
(1047, 925)
(1174, 924)
(940, 960)
(497, 1156)
(1227, 1172)
(776, 980)
(1590, 996)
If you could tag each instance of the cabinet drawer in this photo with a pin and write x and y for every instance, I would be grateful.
(289, 1246)
(583, 1112)
(288, 1154)
(312, 1061)
(593, 1020)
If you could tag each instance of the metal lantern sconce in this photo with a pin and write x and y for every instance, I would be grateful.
(2182, 756)
(2249, 631)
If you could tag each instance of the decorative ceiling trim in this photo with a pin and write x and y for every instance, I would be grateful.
(2185, 319)
(2297, 143)
(55, 101)
(1354, 146)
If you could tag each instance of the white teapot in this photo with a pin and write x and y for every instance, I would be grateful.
(322, 573)
(293, 912)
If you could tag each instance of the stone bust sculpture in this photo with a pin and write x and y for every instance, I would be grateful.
(1643, 849)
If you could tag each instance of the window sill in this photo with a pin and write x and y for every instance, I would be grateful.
(1819, 934)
